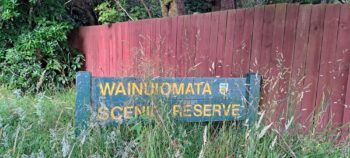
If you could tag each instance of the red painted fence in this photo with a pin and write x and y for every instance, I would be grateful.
(302, 51)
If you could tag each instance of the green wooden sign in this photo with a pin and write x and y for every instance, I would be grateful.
(189, 99)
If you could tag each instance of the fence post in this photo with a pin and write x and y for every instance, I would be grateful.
(83, 101)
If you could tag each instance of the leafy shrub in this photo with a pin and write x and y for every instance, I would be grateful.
(34, 53)
(41, 59)
(109, 12)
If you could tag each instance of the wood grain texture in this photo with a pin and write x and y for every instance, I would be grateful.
(324, 89)
(228, 50)
(221, 43)
(257, 38)
(339, 84)
(238, 44)
(312, 65)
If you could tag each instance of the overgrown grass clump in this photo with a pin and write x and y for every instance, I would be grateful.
(43, 126)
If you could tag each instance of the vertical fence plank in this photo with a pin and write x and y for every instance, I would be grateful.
(257, 38)
(312, 64)
(168, 53)
(344, 32)
(172, 46)
(238, 44)
(132, 34)
(146, 41)
(266, 48)
(112, 52)
(125, 48)
(155, 47)
(342, 63)
(179, 46)
(287, 53)
(346, 114)
(115, 54)
(165, 29)
(119, 41)
(228, 50)
(213, 41)
(97, 48)
(145, 48)
(187, 45)
(202, 59)
(198, 27)
(267, 39)
(192, 46)
(159, 48)
(100, 56)
(247, 40)
(221, 43)
(329, 45)
(299, 59)
(276, 97)
(139, 49)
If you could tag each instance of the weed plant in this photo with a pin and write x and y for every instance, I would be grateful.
(43, 126)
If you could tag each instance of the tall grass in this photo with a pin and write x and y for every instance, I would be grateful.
(43, 126)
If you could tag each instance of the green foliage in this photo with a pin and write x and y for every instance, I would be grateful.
(109, 11)
(8, 10)
(34, 53)
(43, 126)
(198, 6)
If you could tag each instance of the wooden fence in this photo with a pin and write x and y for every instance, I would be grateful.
(302, 51)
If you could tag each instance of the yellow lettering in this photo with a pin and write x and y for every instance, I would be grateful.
(136, 88)
(235, 109)
(206, 89)
(113, 111)
(127, 113)
(176, 110)
(155, 88)
(198, 110)
(207, 109)
(120, 89)
(217, 109)
(198, 87)
(187, 110)
(226, 109)
(189, 89)
(103, 89)
(147, 89)
(178, 89)
(162, 88)
(129, 87)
